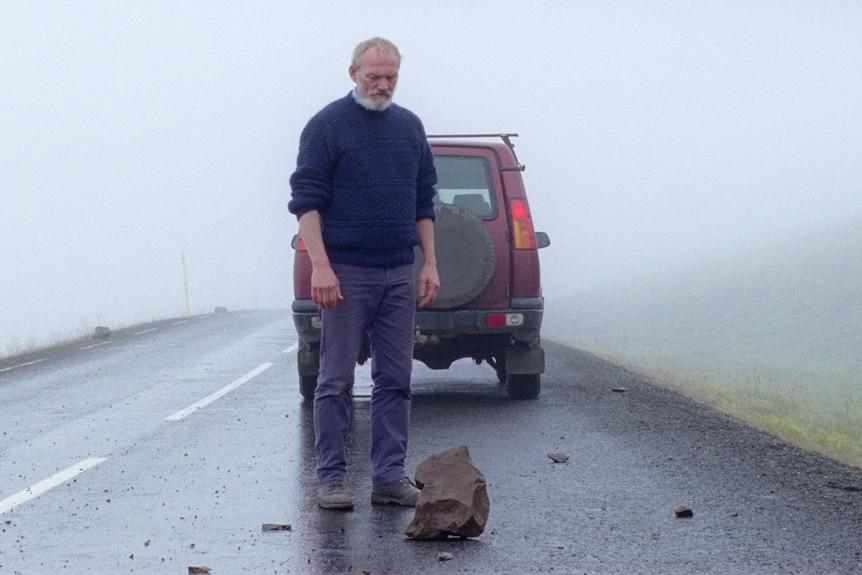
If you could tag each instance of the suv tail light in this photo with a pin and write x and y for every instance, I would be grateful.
(522, 225)
(504, 319)
(299, 243)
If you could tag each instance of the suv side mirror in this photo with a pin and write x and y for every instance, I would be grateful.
(295, 241)
(542, 240)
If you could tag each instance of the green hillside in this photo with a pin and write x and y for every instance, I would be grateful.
(770, 333)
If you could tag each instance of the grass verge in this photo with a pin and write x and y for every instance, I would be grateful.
(826, 418)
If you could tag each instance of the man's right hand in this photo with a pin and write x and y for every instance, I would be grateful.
(325, 290)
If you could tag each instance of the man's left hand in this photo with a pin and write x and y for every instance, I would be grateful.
(429, 285)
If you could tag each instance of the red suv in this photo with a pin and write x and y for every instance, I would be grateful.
(490, 303)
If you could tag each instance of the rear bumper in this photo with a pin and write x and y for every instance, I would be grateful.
(525, 316)
(525, 323)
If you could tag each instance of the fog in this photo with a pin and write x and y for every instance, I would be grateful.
(655, 135)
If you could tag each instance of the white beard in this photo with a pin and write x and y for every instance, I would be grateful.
(375, 104)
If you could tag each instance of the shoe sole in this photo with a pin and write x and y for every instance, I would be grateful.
(336, 506)
(386, 500)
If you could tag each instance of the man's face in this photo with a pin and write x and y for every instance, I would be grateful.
(376, 78)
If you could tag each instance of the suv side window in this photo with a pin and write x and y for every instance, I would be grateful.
(466, 182)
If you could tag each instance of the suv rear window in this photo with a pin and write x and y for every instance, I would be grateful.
(466, 183)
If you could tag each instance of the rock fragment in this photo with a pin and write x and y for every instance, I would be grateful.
(444, 556)
(199, 570)
(276, 527)
(558, 457)
(683, 512)
(454, 499)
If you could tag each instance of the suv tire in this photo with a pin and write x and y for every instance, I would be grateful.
(307, 385)
(308, 365)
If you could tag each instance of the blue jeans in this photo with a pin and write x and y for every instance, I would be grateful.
(379, 302)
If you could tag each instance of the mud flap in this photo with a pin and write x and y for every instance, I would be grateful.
(525, 360)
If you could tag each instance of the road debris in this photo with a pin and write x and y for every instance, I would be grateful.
(833, 485)
(199, 570)
(276, 527)
(683, 512)
(101, 332)
(558, 457)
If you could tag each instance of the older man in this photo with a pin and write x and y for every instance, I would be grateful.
(363, 192)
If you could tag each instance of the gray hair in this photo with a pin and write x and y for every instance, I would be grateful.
(381, 44)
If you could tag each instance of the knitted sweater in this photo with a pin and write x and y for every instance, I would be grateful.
(370, 175)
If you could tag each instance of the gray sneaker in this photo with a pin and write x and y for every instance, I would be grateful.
(334, 494)
(400, 492)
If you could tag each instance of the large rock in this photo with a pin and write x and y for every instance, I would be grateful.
(454, 498)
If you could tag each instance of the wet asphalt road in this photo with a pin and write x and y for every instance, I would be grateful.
(169, 445)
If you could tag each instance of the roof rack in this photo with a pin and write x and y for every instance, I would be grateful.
(505, 137)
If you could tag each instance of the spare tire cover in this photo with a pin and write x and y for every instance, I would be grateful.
(465, 256)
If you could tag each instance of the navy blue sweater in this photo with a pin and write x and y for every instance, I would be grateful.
(370, 175)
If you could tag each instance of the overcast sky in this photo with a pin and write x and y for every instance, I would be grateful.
(654, 134)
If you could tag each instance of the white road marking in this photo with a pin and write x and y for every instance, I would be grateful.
(223, 391)
(145, 331)
(11, 367)
(95, 345)
(39, 488)
(292, 348)
(179, 322)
